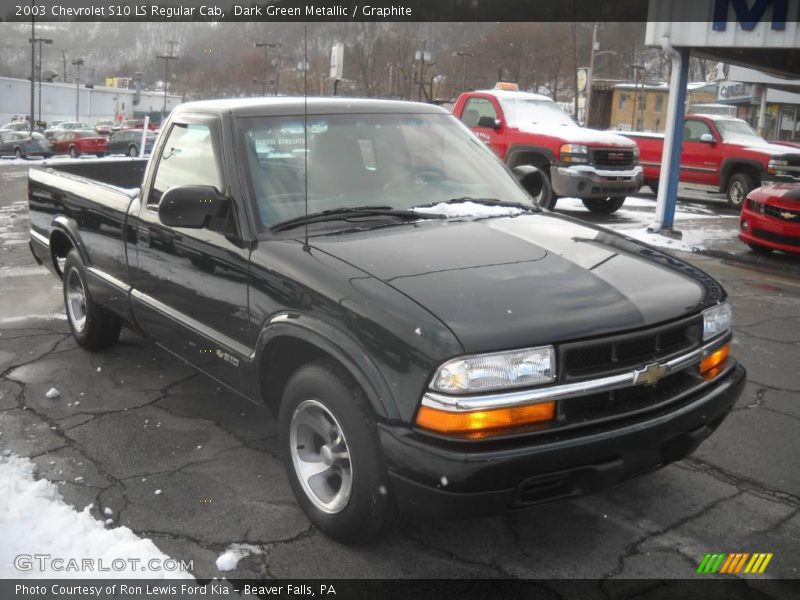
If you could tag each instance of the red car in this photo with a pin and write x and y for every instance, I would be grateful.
(138, 124)
(76, 143)
(770, 219)
(720, 154)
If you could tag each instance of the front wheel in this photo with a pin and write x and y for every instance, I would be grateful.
(739, 185)
(604, 206)
(92, 326)
(101, 154)
(73, 152)
(18, 153)
(133, 151)
(330, 449)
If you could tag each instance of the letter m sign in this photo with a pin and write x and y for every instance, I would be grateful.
(748, 17)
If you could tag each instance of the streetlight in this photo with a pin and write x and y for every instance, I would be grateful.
(78, 62)
(266, 46)
(465, 55)
(40, 41)
(166, 58)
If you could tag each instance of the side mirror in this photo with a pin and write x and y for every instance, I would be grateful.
(707, 138)
(196, 207)
(489, 122)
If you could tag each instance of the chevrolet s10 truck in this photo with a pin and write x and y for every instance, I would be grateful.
(429, 339)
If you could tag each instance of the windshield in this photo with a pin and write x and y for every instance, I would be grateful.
(739, 132)
(387, 160)
(532, 111)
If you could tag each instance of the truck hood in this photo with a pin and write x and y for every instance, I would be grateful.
(773, 150)
(533, 279)
(573, 134)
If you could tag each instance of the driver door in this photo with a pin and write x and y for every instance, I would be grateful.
(190, 285)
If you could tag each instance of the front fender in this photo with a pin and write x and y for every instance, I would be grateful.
(338, 344)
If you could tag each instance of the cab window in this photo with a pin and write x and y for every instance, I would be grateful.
(477, 108)
(187, 158)
(694, 130)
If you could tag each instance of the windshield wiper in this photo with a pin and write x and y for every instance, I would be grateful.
(336, 214)
(486, 202)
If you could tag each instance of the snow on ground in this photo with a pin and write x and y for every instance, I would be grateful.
(35, 520)
(229, 559)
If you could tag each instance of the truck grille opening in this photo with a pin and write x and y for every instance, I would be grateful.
(627, 400)
(612, 158)
(621, 353)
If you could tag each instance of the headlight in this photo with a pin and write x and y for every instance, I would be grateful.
(574, 154)
(775, 164)
(635, 153)
(501, 370)
(716, 320)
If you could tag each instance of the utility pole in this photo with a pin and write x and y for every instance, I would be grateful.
(587, 103)
(40, 41)
(64, 63)
(265, 46)
(465, 55)
(33, 61)
(635, 68)
(421, 77)
(78, 62)
(278, 74)
(166, 58)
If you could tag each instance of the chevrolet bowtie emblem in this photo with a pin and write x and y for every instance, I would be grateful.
(649, 375)
(788, 216)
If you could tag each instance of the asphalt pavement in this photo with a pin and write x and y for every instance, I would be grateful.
(133, 420)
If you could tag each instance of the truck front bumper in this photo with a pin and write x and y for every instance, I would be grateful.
(436, 478)
(586, 181)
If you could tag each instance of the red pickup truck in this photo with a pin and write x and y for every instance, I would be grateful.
(598, 167)
(720, 154)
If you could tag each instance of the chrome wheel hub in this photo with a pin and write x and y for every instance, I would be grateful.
(76, 301)
(320, 456)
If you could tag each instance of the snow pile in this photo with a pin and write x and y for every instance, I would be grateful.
(468, 209)
(692, 240)
(34, 519)
(229, 559)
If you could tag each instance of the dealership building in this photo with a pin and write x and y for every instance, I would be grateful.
(66, 101)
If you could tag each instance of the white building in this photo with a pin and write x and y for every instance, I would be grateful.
(59, 101)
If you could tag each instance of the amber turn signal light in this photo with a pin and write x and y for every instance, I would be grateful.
(711, 365)
(483, 423)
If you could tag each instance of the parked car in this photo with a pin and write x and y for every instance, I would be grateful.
(16, 126)
(105, 128)
(138, 124)
(22, 144)
(770, 219)
(524, 129)
(67, 126)
(128, 141)
(430, 340)
(720, 154)
(79, 142)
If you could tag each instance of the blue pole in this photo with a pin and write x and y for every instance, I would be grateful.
(673, 161)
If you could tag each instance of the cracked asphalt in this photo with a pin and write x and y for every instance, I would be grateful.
(133, 420)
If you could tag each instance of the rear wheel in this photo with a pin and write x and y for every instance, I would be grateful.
(101, 154)
(330, 449)
(133, 151)
(653, 185)
(739, 185)
(73, 152)
(604, 206)
(763, 250)
(92, 326)
(18, 153)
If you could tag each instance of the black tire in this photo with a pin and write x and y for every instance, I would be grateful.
(101, 154)
(99, 328)
(739, 185)
(604, 206)
(548, 197)
(653, 185)
(133, 151)
(73, 152)
(18, 153)
(368, 508)
(763, 250)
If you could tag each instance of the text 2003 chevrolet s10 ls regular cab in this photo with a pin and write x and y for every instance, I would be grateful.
(430, 340)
